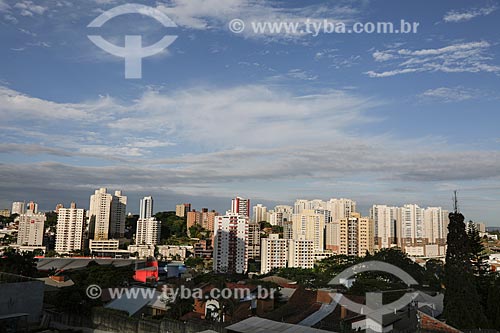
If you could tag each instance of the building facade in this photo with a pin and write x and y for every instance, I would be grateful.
(241, 206)
(254, 241)
(385, 221)
(99, 214)
(356, 235)
(274, 253)
(118, 215)
(18, 207)
(107, 215)
(69, 230)
(31, 229)
(148, 231)
(231, 243)
(300, 253)
(146, 207)
(259, 213)
(311, 226)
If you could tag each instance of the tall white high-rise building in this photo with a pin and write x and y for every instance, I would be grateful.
(107, 215)
(31, 229)
(18, 207)
(240, 206)
(310, 226)
(99, 214)
(341, 208)
(259, 213)
(146, 208)
(280, 215)
(316, 204)
(274, 253)
(435, 225)
(231, 243)
(148, 231)
(69, 230)
(385, 225)
(118, 215)
(286, 211)
(412, 224)
(300, 205)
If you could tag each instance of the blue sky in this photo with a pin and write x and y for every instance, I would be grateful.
(380, 118)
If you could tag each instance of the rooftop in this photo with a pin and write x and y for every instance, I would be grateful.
(256, 324)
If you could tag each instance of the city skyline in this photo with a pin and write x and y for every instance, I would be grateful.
(272, 117)
(270, 206)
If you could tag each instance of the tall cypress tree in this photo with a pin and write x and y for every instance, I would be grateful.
(481, 270)
(462, 304)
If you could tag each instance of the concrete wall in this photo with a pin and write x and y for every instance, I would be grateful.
(112, 321)
(22, 297)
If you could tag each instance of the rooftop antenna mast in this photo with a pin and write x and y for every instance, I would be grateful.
(455, 202)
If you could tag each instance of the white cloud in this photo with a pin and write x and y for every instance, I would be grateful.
(216, 14)
(15, 105)
(301, 74)
(469, 57)
(28, 8)
(461, 16)
(382, 56)
(210, 141)
(455, 94)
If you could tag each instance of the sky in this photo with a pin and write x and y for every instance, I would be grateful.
(379, 118)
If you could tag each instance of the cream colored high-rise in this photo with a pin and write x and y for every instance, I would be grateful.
(274, 253)
(332, 237)
(356, 235)
(99, 214)
(259, 213)
(280, 215)
(301, 253)
(31, 229)
(69, 230)
(340, 208)
(107, 215)
(435, 225)
(311, 226)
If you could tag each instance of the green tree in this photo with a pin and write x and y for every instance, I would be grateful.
(51, 221)
(18, 263)
(172, 225)
(480, 268)
(478, 254)
(194, 262)
(462, 303)
(492, 304)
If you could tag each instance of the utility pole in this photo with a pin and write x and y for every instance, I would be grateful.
(455, 201)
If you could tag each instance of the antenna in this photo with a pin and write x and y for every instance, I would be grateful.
(455, 201)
